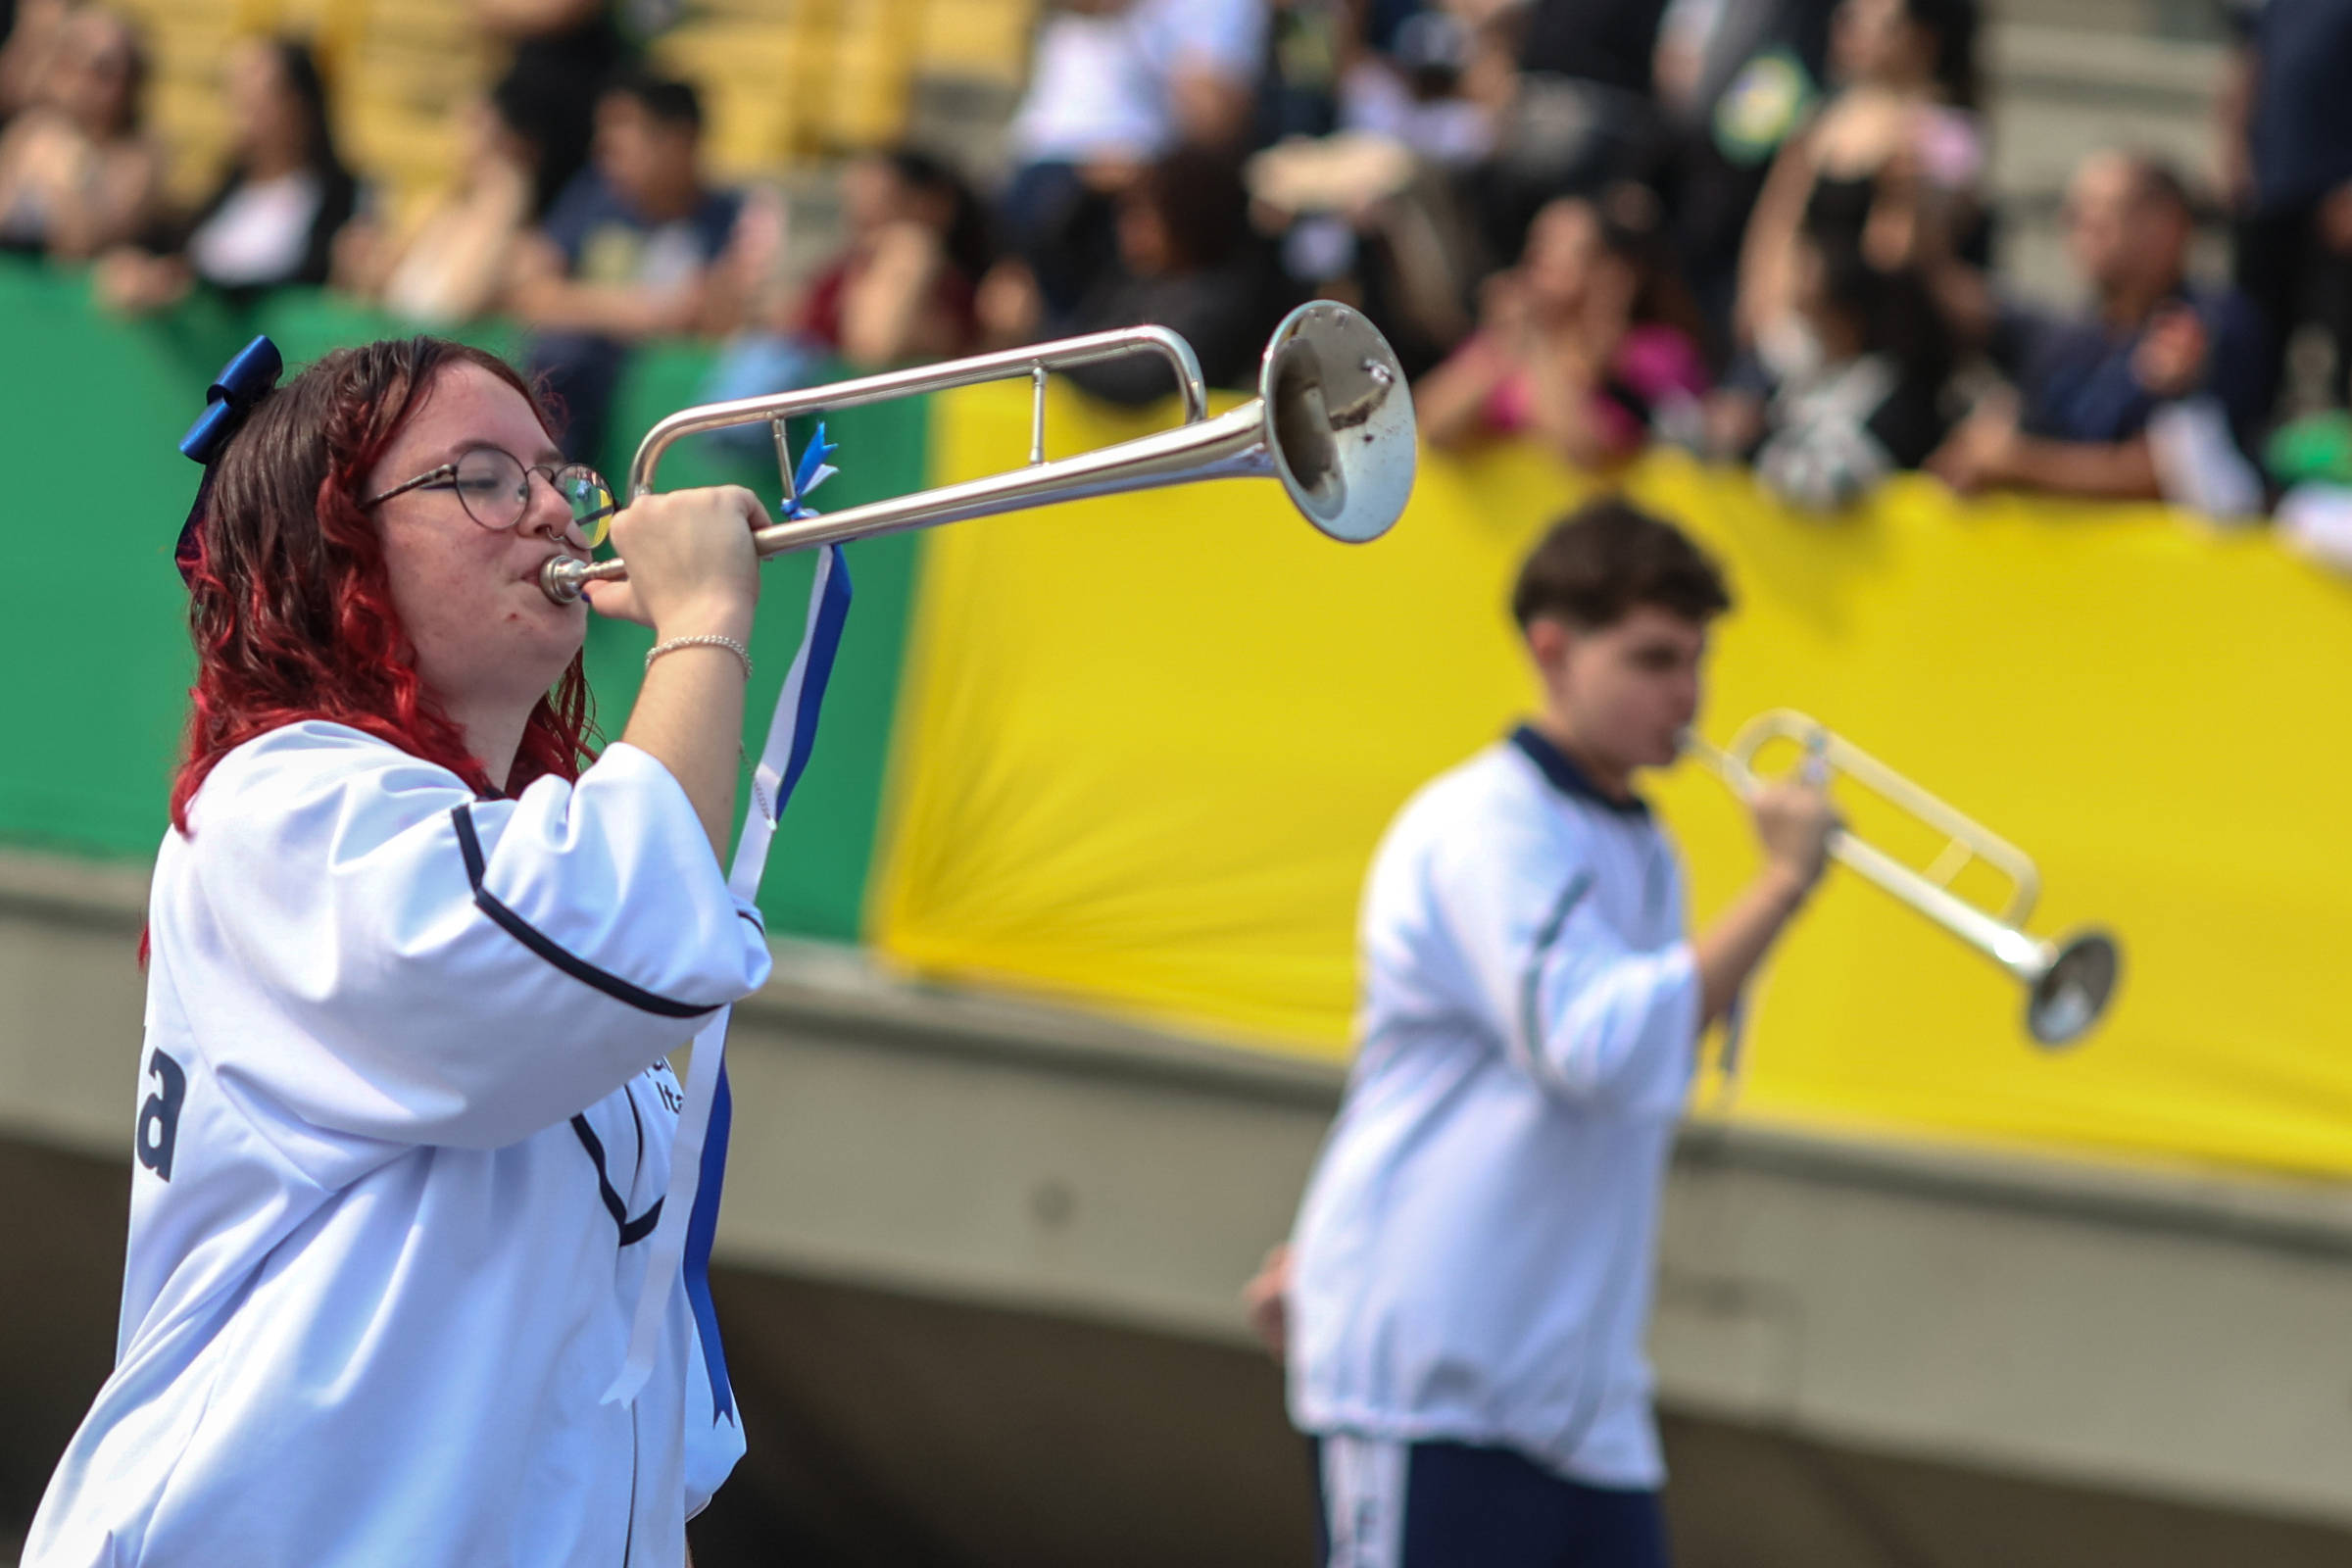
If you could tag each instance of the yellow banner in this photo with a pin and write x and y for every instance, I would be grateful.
(1147, 744)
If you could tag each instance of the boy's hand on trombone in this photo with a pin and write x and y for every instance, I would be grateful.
(1795, 821)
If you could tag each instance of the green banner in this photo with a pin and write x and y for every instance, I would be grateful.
(96, 641)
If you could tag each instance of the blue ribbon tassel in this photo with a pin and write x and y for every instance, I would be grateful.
(832, 590)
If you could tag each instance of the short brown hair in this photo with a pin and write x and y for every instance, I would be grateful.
(1609, 557)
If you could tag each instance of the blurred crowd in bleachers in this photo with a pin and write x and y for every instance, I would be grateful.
(1759, 229)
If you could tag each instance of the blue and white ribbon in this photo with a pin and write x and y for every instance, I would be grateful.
(689, 1221)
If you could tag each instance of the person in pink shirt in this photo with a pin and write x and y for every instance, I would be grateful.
(1589, 345)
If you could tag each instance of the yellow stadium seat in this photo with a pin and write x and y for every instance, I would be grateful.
(185, 113)
(865, 98)
(403, 73)
(751, 72)
(782, 81)
(975, 40)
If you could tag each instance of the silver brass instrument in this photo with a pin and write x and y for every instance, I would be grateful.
(1333, 420)
(2068, 984)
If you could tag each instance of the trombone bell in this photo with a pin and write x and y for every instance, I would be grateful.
(2073, 988)
(1333, 420)
(1338, 421)
(2068, 985)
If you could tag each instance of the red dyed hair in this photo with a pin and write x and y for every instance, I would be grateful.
(291, 607)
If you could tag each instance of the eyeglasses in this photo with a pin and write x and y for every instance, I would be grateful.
(494, 486)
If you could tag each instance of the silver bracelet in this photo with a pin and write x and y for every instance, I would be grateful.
(742, 654)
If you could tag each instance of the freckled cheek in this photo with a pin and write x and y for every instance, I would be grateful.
(445, 597)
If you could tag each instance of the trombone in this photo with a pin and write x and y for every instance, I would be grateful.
(1333, 420)
(2068, 984)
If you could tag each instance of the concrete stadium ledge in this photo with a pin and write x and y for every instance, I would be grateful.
(2173, 1333)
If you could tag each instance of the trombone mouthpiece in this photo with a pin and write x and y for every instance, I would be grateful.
(562, 578)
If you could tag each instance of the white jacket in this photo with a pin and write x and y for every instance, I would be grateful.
(1473, 1259)
(403, 1121)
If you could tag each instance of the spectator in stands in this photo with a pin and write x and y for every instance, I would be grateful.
(1899, 145)
(562, 54)
(1188, 260)
(274, 219)
(2286, 157)
(1736, 81)
(2085, 388)
(1360, 219)
(1423, 92)
(1370, 213)
(1324, 76)
(78, 173)
(1587, 345)
(1872, 401)
(1614, 43)
(1312, 46)
(902, 289)
(1115, 84)
(626, 252)
(28, 43)
(452, 264)
(1580, 113)
(901, 292)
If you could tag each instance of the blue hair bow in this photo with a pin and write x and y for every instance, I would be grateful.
(243, 382)
(228, 402)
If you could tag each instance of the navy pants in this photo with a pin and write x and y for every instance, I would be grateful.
(1453, 1505)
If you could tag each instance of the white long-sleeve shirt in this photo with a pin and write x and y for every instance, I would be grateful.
(401, 1125)
(1099, 86)
(1473, 1259)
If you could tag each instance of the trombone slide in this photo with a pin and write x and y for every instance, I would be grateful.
(1332, 422)
(2069, 984)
